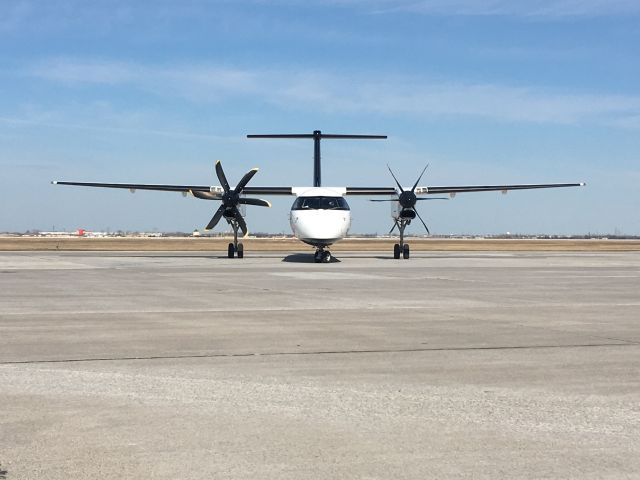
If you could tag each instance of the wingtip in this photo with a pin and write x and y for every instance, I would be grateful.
(54, 182)
(583, 184)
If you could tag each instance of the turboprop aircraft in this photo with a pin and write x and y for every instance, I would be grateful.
(320, 216)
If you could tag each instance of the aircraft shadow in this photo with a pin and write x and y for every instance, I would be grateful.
(305, 258)
(201, 256)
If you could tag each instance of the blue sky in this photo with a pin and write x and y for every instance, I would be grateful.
(483, 91)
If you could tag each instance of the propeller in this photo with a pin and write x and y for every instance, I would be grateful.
(407, 200)
(231, 199)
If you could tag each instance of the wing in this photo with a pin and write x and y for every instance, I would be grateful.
(493, 188)
(180, 188)
(371, 191)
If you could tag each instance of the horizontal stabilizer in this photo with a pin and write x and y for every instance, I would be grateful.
(318, 135)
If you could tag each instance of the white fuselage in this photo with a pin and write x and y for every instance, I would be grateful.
(320, 216)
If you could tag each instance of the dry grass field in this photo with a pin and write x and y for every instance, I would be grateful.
(289, 244)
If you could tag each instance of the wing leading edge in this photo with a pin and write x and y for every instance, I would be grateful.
(362, 191)
(459, 189)
(179, 188)
(493, 188)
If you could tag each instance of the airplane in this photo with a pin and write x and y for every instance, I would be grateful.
(320, 216)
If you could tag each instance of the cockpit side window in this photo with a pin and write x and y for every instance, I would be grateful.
(320, 203)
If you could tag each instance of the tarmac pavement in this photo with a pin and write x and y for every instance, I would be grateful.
(447, 365)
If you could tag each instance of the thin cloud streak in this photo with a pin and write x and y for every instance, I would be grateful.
(353, 94)
(505, 8)
(25, 122)
(103, 17)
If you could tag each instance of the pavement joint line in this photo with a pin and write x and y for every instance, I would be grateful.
(306, 309)
(631, 342)
(323, 352)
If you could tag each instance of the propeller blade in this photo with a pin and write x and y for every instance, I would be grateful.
(394, 177)
(216, 218)
(425, 225)
(205, 195)
(243, 182)
(221, 176)
(418, 181)
(433, 198)
(384, 200)
(254, 201)
(241, 223)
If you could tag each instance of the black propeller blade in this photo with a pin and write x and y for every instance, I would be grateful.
(231, 199)
(407, 200)
(216, 218)
(241, 223)
(417, 199)
(425, 225)
(254, 201)
(222, 177)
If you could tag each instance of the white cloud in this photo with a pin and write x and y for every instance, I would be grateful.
(345, 93)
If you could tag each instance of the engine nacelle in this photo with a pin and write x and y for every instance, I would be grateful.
(408, 213)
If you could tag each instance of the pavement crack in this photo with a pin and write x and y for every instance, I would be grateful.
(322, 352)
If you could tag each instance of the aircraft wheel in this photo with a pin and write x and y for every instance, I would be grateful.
(317, 257)
(326, 256)
(405, 251)
(231, 250)
(240, 250)
(396, 251)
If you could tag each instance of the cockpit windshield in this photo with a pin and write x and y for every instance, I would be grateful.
(320, 203)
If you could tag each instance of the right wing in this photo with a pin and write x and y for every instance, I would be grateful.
(492, 188)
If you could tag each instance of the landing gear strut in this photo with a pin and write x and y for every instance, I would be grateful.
(322, 256)
(235, 247)
(401, 248)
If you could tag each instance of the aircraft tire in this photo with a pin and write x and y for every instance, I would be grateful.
(240, 251)
(405, 251)
(231, 250)
(326, 257)
(396, 251)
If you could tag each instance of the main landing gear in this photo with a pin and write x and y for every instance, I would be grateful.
(235, 248)
(401, 248)
(322, 256)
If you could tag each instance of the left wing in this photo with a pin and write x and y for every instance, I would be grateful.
(180, 188)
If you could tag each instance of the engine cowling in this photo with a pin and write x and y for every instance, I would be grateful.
(408, 213)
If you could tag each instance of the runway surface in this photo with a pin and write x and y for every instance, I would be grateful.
(448, 365)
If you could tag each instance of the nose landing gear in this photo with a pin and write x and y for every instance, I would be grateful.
(322, 256)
